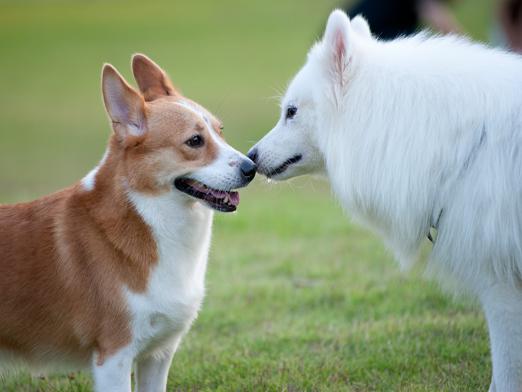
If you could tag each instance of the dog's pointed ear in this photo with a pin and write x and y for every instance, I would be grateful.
(361, 26)
(124, 105)
(152, 80)
(337, 43)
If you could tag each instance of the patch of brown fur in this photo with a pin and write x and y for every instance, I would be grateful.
(62, 271)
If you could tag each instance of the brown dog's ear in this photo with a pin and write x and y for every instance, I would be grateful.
(124, 105)
(152, 80)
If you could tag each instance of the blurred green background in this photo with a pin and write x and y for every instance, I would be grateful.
(298, 297)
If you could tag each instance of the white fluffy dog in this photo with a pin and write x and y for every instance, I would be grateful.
(419, 133)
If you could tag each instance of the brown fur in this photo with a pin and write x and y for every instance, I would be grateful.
(65, 258)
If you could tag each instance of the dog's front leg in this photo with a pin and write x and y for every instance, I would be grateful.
(152, 371)
(113, 373)
(503, 308)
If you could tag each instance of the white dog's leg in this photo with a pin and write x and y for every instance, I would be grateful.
(114, 373)
(503, 308)
(152, 371)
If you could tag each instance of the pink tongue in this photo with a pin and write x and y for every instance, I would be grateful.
(234, 198)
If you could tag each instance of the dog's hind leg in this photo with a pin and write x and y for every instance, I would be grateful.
(503, 309)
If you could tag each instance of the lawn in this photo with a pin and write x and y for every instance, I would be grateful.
(298, 297)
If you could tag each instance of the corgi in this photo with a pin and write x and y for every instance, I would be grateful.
(419, 134)
(109, 273)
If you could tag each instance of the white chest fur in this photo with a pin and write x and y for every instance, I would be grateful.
(176, 288)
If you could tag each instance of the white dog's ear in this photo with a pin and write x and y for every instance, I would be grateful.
(337, 43)
(361, 26)
(124, 105)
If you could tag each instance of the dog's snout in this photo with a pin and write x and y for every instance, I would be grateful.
(248, 169)
(252, 154)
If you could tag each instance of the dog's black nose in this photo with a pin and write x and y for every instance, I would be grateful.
(248, 169)
(252, 154)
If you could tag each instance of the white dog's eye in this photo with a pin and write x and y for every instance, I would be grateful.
(291, 111)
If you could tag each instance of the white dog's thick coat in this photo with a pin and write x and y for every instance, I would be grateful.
(414, 133)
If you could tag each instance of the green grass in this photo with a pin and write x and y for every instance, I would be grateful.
(298, 297)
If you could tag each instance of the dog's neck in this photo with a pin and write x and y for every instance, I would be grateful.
(141, 226)
(181, 231)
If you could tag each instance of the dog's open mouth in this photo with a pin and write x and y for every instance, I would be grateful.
(224, 201)
(284, 166)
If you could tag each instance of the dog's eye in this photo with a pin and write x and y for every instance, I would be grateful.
(195, 141)
(291, 111)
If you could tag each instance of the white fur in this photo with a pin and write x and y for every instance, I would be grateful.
(176, 287)
(413, 130)
(89, 181)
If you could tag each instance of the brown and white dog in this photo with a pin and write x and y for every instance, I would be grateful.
(110, 271)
